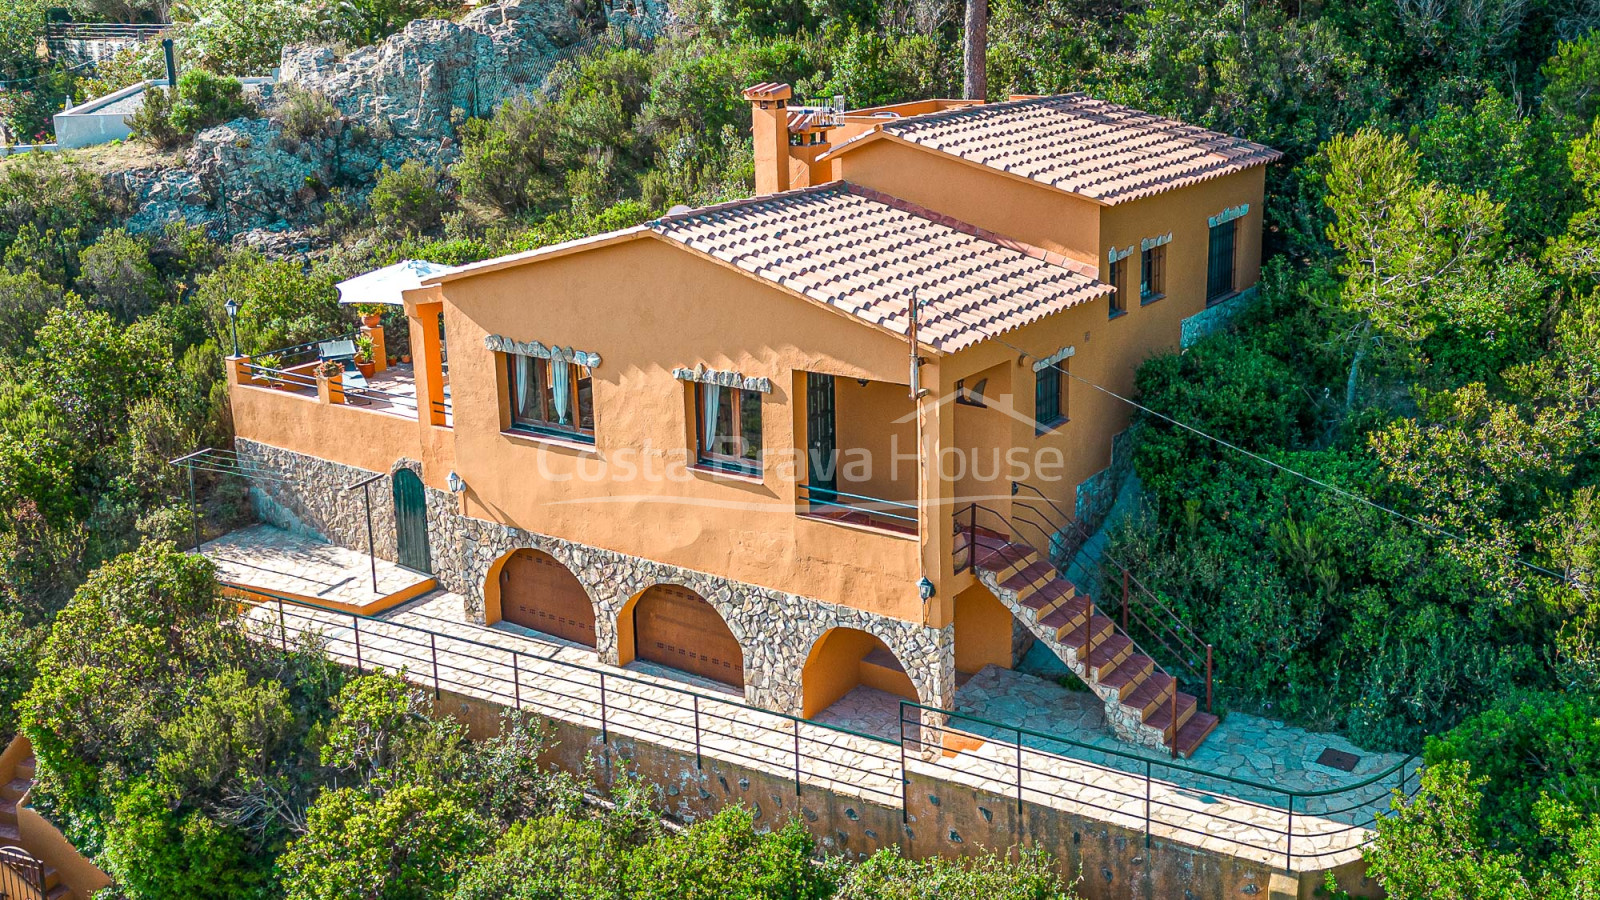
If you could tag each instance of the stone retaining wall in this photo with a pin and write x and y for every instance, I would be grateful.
(775, 629)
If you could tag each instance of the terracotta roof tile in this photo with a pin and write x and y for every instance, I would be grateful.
(865, 253)
(1081, 145)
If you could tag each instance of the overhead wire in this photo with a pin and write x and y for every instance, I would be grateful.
(1343, 492)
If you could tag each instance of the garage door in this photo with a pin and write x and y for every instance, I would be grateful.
(540, 593)
(675, 627)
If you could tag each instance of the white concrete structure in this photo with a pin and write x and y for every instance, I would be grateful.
(105, 119)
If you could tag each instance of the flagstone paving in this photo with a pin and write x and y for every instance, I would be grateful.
(283, 562)
(515, 667)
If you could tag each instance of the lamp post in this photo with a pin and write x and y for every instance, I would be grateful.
(232, 306)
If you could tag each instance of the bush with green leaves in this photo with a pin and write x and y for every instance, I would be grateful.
(202, 99)
(411, 199)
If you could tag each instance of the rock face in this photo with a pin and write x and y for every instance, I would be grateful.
(399, 99)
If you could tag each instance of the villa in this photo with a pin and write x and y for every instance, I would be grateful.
(837, 434)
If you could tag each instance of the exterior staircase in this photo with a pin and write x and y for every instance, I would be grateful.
(23, 878)
(1143, 703)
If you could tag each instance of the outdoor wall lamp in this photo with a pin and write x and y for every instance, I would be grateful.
(454, 482)
(925, 589)
(232, 306)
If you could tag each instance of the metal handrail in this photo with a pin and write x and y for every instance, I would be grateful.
(694, 710)
(21, 873)
(876, 506)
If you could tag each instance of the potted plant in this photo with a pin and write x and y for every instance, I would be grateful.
(270, 368)
(364, 356)
(330, 381)
(371, 313)
(405, 359)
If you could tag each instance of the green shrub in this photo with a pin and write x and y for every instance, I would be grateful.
(152, 121)
(886, 875)
(206, 99)
(305, 115)
(413, 198)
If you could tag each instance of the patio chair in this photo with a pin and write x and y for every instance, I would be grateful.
(343, 353)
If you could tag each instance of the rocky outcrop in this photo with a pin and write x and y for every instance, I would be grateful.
(403, 98)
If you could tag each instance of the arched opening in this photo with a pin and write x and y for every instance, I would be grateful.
(536, 591)
(674, 626)
(844, 659)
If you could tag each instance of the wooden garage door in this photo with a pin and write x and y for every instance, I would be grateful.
(675, 627)
(540, 593)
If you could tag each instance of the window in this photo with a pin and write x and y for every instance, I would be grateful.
(1119, 280)
(1152, 274)
(1049, 395)
(551, 396)
(1219, 262)
(729, 422)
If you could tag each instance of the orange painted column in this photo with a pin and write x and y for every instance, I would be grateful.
(426, 355)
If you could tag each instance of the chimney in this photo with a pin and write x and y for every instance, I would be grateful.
(769, 121)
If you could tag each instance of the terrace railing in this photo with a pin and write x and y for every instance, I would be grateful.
(830, 503)
(1160, 797)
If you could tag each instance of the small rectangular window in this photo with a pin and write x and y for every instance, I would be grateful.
(729, 428)
(1119, 280)
(551, 396)
(1049, 395)
(1152, 274)
(1219, 261)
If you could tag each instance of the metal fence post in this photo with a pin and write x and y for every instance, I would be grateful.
(697, 761)
(797, 757)
(355, 625)
(1208, 678)
(516, 680)
(1019, 783)
(1124, 599)
(1147, 804)
(433, 649)
(1288, 839)
(283, 625)
(605, 736)
(905, 777)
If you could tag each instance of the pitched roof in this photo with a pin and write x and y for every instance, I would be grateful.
(866, 253)
(1073, 142)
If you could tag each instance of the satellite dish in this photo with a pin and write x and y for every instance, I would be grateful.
(678, 210)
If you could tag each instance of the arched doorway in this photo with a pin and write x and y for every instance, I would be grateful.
(676, 627)
(411, 521)
(844, 659)
(538, 592)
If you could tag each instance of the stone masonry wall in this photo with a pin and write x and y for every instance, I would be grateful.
(776, 629)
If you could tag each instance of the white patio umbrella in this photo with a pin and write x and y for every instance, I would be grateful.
(386, 284)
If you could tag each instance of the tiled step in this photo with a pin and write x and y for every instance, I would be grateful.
(9, 834)
(1161, 718)
(15, 788)
(1129, 675)
(1194, 732)
(25, 768)
(1145, 694)
(1034, 575)
(1059, 594)
(1069, 628)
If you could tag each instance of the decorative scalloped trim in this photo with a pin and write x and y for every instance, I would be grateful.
(1228, 215)
(702, 375)
(1052, 359)
(502, 344)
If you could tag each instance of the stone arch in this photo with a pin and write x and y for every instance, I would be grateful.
(674, 625)
(843, 658)
(529, 587)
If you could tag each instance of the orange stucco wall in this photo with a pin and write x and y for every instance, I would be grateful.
(351, 435)
(983, 630)
(833, 668)
(648, 307)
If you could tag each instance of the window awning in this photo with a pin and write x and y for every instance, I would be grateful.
(385, 285)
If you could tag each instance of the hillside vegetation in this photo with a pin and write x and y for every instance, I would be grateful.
(1424, 354)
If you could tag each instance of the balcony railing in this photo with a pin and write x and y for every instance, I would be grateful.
(858, 509)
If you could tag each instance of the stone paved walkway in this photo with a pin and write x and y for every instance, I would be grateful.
(512, 666)
(283, 562)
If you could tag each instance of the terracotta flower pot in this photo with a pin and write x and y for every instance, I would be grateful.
(371, 321)
(366, 369)
(405, 359)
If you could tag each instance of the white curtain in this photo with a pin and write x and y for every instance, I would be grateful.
(524, 383)
(713, 393)
(561, 387)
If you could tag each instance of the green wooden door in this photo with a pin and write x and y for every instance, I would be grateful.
(411, 521)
